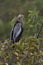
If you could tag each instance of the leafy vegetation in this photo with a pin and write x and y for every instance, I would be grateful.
(29, 49)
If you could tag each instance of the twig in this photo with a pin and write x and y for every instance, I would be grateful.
(40, 30)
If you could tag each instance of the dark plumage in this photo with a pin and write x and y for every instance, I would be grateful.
(17, 30)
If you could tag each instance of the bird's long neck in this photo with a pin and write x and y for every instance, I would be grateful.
(19, 22)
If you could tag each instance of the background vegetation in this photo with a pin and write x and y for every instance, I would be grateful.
(29, 50)
(11, 8)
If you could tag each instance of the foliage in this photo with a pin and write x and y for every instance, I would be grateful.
(10, 8)
(28, 51)
(33, 24)
(1, 29)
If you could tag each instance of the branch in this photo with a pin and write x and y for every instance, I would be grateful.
(40, 30)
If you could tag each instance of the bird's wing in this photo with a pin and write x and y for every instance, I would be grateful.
(17, 30)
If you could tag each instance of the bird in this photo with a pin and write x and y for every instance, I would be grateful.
(17, 29)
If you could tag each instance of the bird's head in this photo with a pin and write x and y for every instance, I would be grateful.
(20, 18)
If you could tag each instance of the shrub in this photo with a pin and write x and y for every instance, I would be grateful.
(28, 51)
